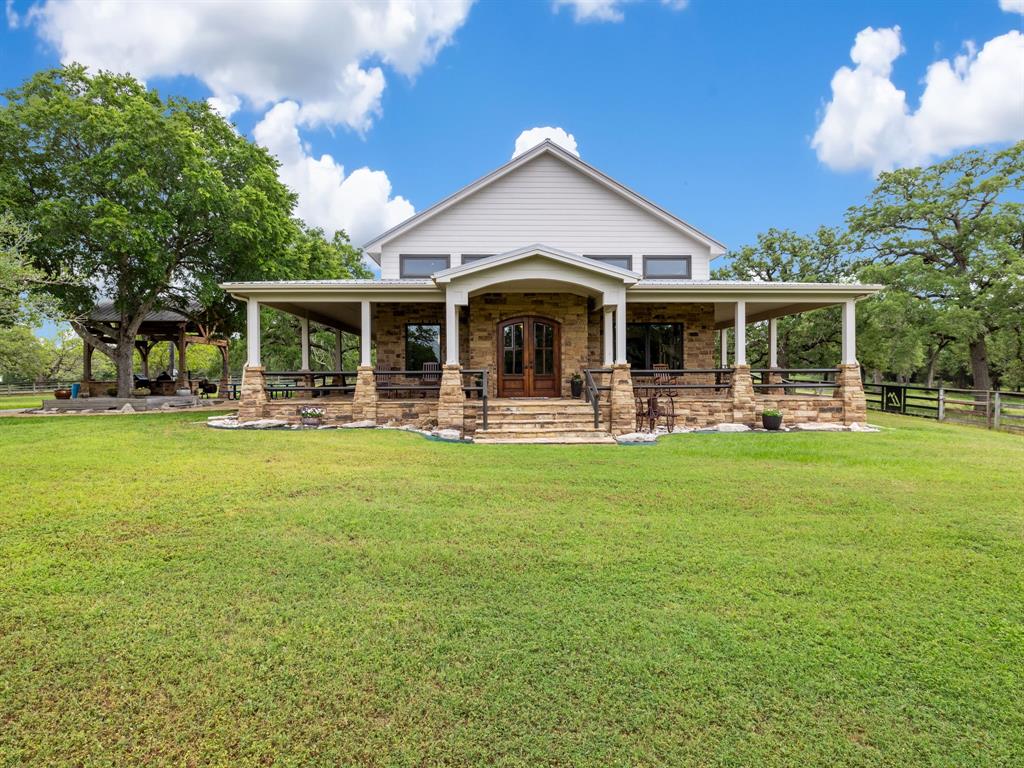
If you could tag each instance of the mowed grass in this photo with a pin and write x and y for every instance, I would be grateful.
(174, 595)
(22, 401)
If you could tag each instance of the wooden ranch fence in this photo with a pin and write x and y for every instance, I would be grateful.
(990, 409)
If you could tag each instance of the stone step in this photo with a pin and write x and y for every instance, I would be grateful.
(549, 433)
(586, 425)
(529, 418)
(597, 439)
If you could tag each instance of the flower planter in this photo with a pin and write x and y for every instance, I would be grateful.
(310, 422)
(771, 422)
(576, 387)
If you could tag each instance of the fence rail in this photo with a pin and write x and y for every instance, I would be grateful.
(991, 409)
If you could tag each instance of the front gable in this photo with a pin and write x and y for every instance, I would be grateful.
(548, 197)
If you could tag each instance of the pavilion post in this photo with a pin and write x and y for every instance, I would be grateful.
(182, 380)
(723, 343)
(740, 355)
(364, 399)
(87, 350)
(252, 333)
(743, 401)
(170, 358)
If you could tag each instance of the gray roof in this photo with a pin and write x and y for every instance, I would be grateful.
(106, 312)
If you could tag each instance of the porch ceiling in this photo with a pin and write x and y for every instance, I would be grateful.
(725, 312)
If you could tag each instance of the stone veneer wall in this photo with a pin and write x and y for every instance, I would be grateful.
(487, 310)
(797, 409)
(336, 411)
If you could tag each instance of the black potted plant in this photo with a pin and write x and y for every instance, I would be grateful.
(771, 419)
(576, 385)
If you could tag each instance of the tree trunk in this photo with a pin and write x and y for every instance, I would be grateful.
(979, 364)
(929, 379)
(876, 376)
(124, 358)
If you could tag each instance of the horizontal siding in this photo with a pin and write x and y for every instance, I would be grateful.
(545, 201)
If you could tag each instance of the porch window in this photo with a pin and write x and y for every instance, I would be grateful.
(667, 267)
(416, 265)
(422, 345)
(623, 262)
(469, 258)
(651, 344)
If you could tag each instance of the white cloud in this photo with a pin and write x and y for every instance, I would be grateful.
(531, 137)
(593, 10)
(977, 98)
(323, 55)
(1012, 6)
(606, 10)
(360, 203)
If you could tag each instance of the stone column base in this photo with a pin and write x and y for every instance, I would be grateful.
(850, 390)
(364, 401)
(252, 397)
(451, 400)
(623, 402)
(744, 406)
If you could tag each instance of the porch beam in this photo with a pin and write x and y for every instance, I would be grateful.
(304, 342)
(364, 333)
(740, 355)
(773, 343)
(850, 332)
(620, 332)
(252, 333)
(609, 335)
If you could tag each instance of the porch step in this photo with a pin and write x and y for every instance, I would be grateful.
(549, 420)
(576, 436)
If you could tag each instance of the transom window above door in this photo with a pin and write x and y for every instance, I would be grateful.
(651, 344)
(421, 265)
(667, 267)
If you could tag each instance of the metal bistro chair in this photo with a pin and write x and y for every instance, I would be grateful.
(431, 376)
(669, 394)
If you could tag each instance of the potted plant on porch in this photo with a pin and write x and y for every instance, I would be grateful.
(310, 416)
(576, 385)
(771, 419)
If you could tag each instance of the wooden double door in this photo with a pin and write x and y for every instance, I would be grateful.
(529, 357)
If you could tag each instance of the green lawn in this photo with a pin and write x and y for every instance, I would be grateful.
(23, 401)
(176, 595)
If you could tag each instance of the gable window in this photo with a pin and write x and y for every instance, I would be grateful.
(422, 345)
(417, 265)
(651, 344)
(469, 258)
(667, 267)
(623, 262)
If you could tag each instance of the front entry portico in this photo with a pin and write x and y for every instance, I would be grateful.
(529, 357)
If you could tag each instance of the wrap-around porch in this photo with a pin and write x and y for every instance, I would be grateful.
(659, 359)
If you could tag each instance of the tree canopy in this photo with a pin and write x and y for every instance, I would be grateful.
(147, 201)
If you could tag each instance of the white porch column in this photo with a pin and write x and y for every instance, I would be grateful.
(339, 350)
(773, 344)
(609, 336)
(723, 342)
(252, 333)
(304, 342)
(364, 333)
(451, 331)
(620, 332)
(740, 356)
(850, 332)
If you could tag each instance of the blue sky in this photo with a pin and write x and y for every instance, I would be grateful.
(708, 109)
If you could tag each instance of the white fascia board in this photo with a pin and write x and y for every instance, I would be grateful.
(650, 291)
